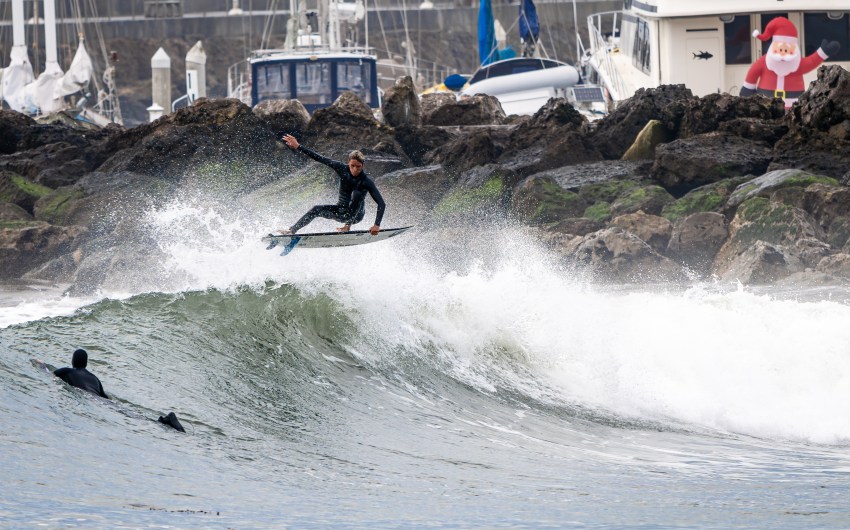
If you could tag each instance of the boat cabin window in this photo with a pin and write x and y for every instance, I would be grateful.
(738, 40)
(273, 82)
(512, 66)
(830, 26)
(640, 51)
(313, 83)
(355, 77)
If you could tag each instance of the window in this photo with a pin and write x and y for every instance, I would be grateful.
(819, 26)
(640, 51)
(355, 77)
(313, 83)
(273, 82)
(738, 40)
(765, 20)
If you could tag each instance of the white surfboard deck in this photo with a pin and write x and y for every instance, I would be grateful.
(329, 239)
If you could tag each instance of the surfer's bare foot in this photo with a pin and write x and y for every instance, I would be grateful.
(285, 232)
(344, 228)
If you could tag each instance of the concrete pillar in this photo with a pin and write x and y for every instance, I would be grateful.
(196, 72)
(235, 10)
(161, 79)
(154, 112)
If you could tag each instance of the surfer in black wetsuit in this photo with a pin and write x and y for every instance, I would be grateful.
(79, 377)
(354, 183)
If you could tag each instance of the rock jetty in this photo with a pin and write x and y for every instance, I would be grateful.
(667, 187)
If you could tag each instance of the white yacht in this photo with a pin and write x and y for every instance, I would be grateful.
(707, 46)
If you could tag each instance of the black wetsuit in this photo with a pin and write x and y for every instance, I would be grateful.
(351, 207)
(81, 378)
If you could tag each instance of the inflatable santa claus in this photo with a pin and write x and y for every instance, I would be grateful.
(779, 73)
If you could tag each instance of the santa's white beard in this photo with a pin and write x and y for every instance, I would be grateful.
(783, 66)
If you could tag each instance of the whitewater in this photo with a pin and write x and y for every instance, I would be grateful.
(423, 381)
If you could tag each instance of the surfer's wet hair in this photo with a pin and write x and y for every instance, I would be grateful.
(357, 155)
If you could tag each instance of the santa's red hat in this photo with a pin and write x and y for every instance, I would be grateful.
(779, 29)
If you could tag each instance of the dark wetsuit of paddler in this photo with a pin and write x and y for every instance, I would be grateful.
(79, 377)
(354, 184)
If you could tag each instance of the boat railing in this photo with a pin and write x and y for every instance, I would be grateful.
(239, 81)
(603, 30)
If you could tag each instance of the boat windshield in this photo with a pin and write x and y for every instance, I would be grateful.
(355, 77)
(513, 66)
(313, 83)
(273, 82)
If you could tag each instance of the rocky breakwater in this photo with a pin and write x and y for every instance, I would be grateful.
(668, 187)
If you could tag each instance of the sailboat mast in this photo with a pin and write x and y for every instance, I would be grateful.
(51, 62)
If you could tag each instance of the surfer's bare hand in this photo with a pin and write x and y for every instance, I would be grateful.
(374, 230)
(344, 228)
(290, 141)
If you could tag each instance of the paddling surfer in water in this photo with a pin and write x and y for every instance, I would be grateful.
(354, 183)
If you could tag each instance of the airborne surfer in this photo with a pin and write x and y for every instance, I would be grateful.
(354, 183)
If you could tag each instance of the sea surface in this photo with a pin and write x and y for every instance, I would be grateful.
(423, 381)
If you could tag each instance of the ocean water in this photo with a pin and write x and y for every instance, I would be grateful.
(419, 382)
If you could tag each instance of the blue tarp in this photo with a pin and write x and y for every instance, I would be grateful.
(487, 52)
(528, 23)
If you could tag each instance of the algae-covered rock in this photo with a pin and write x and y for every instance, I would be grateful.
(18, 190)
(650, 199)
(708, 198)
(760, 220)
(56, 206)
(606, 191)
(772, 181)
(540, 200)
(599, 212)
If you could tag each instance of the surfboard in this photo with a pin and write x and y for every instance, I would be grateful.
(329, 239)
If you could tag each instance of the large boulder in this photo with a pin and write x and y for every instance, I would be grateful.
(430, 103)
(13, 212)
(52, 165)
(773, 181)
(418, 142)
(345, 125)
(708, 198)
(615, 255)
(819, 136)
(400, 105)
(540, 200)
(696, 239)
(712, 112)
(617, 131)
(28, 246)
(477, 148)
(483, 192)
(13, 127)
(775, 224)
(283, 116)
(651, 229)
(480, 109)
(423, 186)
(649, 198)
(759, 264)
(683, 165)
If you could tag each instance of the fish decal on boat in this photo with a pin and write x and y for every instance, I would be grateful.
(702, 55)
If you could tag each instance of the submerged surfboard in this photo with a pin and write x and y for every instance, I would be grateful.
(329, 239)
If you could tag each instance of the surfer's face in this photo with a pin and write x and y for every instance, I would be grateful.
(355, 166)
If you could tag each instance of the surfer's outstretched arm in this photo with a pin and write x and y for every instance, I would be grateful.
(292, 143)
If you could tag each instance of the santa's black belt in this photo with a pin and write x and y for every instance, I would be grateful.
(782, 94)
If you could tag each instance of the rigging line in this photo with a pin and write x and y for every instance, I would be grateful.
(383, 32)
(408, 44)
(268, 27)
